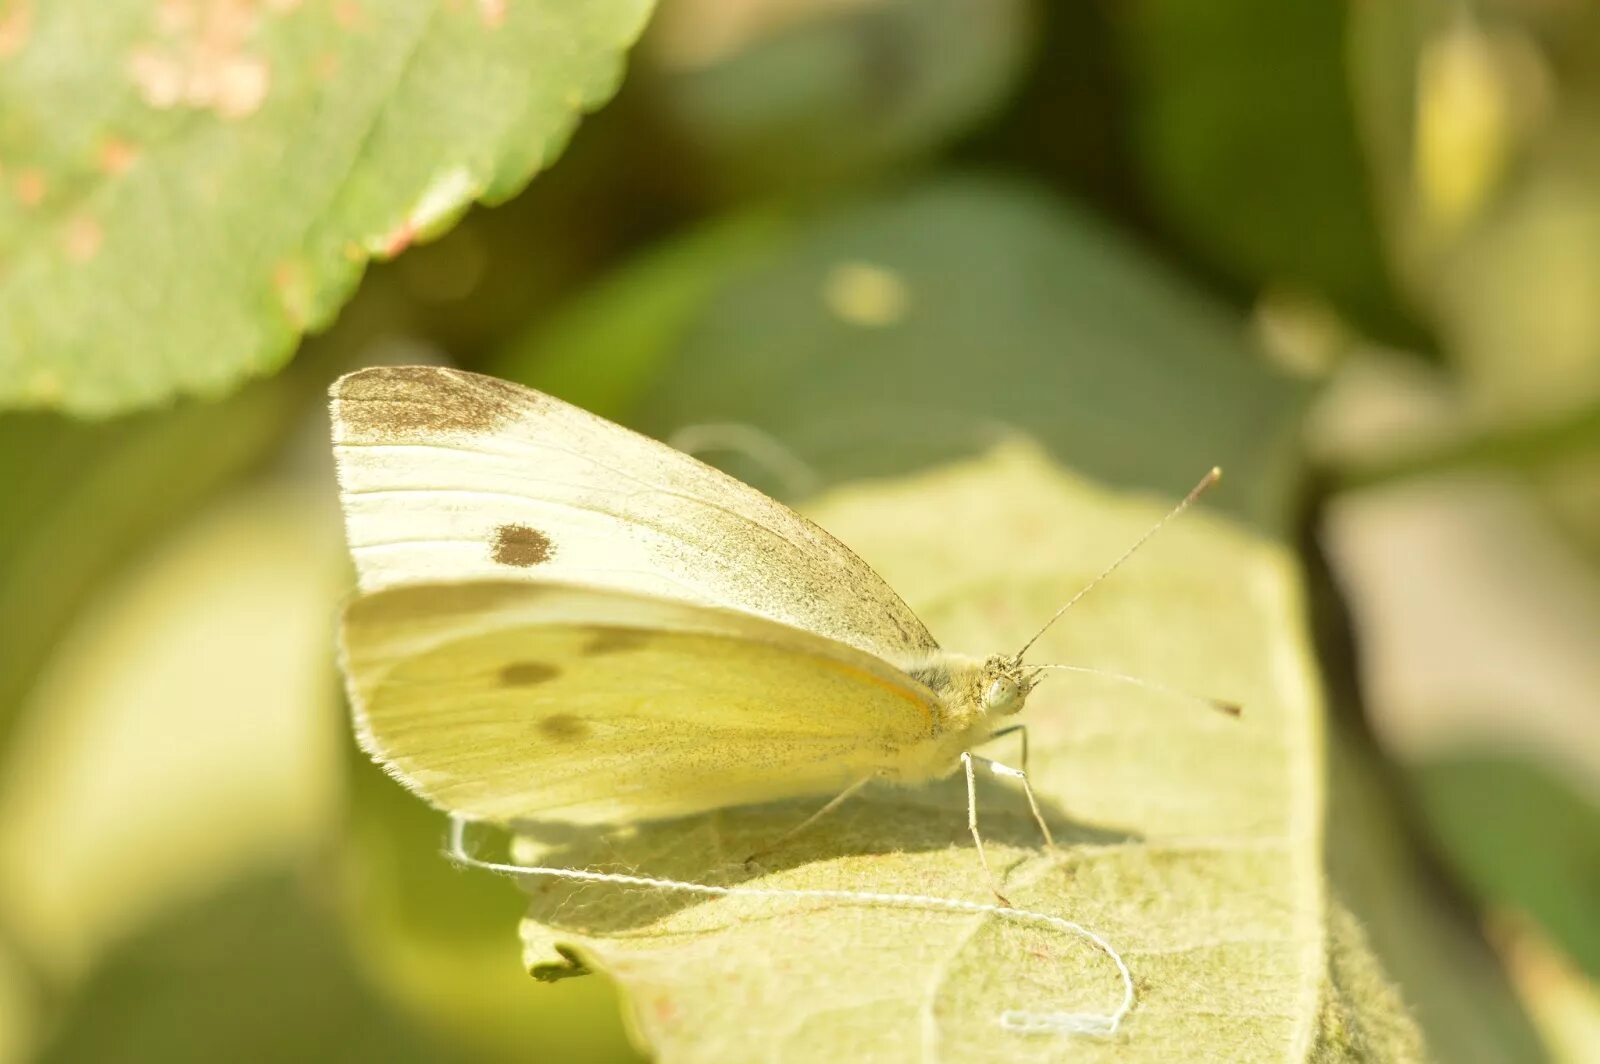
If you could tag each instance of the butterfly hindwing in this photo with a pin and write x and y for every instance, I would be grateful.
(510, 700)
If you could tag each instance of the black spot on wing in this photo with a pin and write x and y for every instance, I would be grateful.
(527, 673)
(563, 728)
(521, 546)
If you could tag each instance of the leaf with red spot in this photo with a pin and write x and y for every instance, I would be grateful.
(190, 188)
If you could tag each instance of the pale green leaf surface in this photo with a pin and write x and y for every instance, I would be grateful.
(1192, 841)
(1026, 316)
(1363, 1016)
(195, 187)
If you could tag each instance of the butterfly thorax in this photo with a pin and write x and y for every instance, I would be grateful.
(974, 695)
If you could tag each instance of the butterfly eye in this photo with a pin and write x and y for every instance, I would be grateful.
(1003, 696)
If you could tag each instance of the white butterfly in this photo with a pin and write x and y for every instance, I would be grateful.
(561, 619)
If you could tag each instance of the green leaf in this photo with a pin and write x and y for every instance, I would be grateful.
(1423, 564)
(1523, 838)
(1485, 150)
(181, 732)
(1246, 137)
(1483, 147)
(936, 322)
(196, 188)
(1454, 983)
(796, 96)
(1192, 841)
(1564, 1003)
(439, 943)
(252, 972)
(81, 498)
(639, 316)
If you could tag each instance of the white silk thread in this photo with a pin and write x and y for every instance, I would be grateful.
(1021, 1021)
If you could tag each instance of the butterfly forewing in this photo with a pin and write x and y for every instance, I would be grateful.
(451, 476)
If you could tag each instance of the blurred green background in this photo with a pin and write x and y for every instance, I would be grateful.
(1351, 252)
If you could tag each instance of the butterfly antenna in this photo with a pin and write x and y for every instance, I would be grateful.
(1194, 493)
(1221, 705)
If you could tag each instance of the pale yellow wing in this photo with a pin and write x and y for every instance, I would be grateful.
(511, 700)
(447, 475)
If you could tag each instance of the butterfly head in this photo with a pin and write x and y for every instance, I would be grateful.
(1006, 683)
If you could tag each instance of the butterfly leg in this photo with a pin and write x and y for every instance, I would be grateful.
(833, 803)
(1021, 775)
(967, 761)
